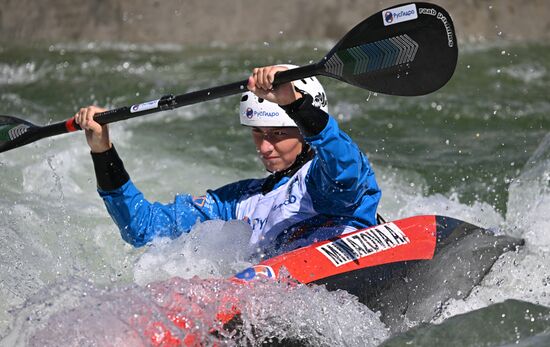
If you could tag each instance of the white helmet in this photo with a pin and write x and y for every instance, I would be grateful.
(257, 112)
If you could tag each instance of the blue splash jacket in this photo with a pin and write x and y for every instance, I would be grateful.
(338, 193)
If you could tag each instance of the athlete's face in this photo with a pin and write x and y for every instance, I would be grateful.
(278, 147)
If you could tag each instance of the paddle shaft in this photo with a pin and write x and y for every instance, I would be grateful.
(169, 102)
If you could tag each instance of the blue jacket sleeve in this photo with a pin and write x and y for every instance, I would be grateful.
(140, 221)
(340, 179)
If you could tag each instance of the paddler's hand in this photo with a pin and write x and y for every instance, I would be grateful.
(96, 134)
(261, 84)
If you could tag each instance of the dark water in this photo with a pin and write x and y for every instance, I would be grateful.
(478, 150)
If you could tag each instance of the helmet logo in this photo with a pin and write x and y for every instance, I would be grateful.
(249, 113)
(320, 100)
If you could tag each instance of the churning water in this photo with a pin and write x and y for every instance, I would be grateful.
(477, 150)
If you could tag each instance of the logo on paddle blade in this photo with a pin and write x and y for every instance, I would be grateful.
(388, 16)
(399, 14)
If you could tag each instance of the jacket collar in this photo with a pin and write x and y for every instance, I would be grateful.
(306, 155)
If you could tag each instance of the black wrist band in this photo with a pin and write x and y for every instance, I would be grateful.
(109, 170)
(310, 119)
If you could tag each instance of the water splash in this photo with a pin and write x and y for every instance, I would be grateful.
(186, 310)
(524, 274)
(529, 199)
(211, 249)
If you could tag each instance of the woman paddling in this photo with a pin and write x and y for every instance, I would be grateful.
(320, 183)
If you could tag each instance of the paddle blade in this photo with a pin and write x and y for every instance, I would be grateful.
(407, 49)
(14, 132)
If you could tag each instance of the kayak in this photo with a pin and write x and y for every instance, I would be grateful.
(391, 267)
(412, 238)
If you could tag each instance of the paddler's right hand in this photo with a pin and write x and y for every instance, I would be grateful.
(96, 134)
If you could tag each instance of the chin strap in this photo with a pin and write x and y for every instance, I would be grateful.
(305, 155)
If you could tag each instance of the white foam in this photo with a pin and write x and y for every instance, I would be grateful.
(76, 313)
(528, 212)
(524, 274)
(527, 73)
(403, 199)
(116, 46)
(212, 249)
(19, 74)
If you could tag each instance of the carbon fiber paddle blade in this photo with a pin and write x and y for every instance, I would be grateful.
(14, 132)
(408, 49)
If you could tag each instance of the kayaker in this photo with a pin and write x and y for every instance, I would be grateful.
(320, 183)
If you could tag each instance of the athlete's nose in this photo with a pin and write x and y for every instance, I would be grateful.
(266, 146)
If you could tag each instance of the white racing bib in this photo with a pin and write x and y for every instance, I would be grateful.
(278, 210)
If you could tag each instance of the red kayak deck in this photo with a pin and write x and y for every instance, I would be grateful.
(350, 255)
(413, 238)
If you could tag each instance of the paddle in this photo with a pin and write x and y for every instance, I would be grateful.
(406, 50)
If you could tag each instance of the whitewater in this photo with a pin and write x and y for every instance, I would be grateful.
(477, 150)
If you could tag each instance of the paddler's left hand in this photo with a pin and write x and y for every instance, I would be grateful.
(97, 135)
(261, 84)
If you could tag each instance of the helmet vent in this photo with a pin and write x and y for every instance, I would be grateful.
(304, 81)
(244, 98)
(260, 100)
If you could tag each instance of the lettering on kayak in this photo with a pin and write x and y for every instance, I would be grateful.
(369, 240)
(387, 240)
(395, 235)
(363, 243)
(333, 254)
